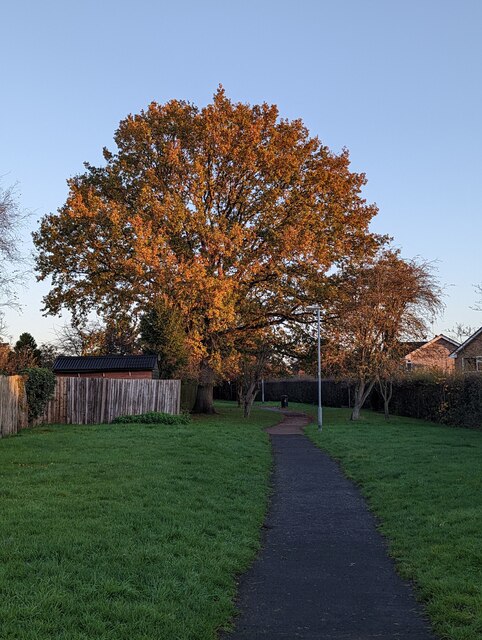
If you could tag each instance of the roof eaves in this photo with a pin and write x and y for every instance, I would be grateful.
(441, 336)
(464, 344)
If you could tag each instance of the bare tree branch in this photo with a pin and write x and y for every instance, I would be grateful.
(11, 259)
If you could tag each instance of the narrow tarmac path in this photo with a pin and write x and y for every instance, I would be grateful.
(323, 572)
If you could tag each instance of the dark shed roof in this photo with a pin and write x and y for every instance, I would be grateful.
(75, 364)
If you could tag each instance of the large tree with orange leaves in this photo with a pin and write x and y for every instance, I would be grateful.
(229, 214)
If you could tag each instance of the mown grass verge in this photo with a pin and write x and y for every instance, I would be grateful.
(424, 482)
(129, 531)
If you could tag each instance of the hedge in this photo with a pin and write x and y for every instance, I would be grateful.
(153, 417)
(453, 400)
(39, 388)
(334, 393)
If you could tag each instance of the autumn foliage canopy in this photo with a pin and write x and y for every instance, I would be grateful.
(228, 214)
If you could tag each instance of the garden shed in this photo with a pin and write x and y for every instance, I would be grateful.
(111, 366)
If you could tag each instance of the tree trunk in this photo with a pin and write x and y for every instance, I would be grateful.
(385, 409)
(204, 397)
(249, 399)
(357, 403)
(386, 389)
(362, 392)
(239, 392)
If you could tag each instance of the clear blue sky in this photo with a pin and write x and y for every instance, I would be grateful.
(397, 83)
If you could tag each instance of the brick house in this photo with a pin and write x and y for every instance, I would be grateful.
(433, 354)
(468, 356)
(112, 366)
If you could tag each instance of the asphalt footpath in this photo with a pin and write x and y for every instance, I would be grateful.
(323, 572)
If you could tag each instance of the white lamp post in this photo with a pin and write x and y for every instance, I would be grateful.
(320, 408)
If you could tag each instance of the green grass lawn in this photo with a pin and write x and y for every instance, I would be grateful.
(137, 531)
(129, 531)
(424, 482)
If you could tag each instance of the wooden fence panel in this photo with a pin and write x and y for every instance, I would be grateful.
(98, 400)
(13, 405)
(56, 410)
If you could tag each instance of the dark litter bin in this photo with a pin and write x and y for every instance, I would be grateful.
(284, 402)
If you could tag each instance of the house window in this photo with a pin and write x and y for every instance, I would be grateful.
(409, 365)
(472, 364)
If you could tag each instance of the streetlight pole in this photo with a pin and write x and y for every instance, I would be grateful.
(320, 408)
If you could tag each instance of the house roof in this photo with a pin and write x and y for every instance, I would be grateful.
(422, 345)
(464, 344)
(409, 347)
(74, 364)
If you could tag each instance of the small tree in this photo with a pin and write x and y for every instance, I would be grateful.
(162, 333)
(380, 303)
(94, 338)
(120, 335)
(25, 353)
(265, 352)
(80, 339)
(388, 368)
(48, 354)
(26, 342)
(252, 364)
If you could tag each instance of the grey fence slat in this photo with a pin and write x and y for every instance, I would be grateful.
(13, 405)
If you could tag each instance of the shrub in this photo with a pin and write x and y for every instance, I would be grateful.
(153, 417)
(39, 388)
